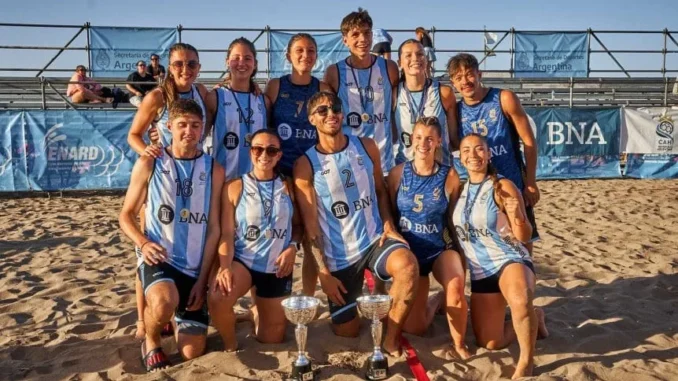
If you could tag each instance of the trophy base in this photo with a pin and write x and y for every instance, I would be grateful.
(377, 369)
(302, 373)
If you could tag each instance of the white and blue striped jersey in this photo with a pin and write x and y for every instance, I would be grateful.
(348, 212)
(161, 123)
(407, 111)
(375, 104)
(238, 116)
(486, 249)
(177, 209)
(263, 223)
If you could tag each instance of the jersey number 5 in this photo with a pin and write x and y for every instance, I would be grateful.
(419, 201)
(479, 127)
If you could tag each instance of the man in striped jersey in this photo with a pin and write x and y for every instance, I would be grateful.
(344, 203)
(181, 190)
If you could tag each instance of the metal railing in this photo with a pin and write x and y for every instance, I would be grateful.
(667, 47)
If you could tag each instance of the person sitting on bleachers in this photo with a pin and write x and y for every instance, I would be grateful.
(87, 91)
(138, 91)
(155, 69)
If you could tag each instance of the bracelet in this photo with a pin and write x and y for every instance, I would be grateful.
(144, 244)
(519, 221)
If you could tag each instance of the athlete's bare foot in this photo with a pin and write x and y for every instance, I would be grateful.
(459, 352)
(141, 330)
(392, 349)
(523, 370)
(542, 331)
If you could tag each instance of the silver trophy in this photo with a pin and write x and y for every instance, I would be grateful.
(375, 308)
(300, 310)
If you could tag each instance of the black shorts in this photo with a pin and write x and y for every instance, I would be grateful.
(353, 276)
(188, 322)
(268, 285)
(490, 285)
(426, 265)
(530, 217)
(381, 48)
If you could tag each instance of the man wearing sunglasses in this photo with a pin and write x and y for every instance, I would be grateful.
(344, 203)
(137, 90)
(155, 69)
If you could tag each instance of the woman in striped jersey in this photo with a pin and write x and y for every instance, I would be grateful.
(241, 110)
(418, 96)
(259, 234)
(492, 228)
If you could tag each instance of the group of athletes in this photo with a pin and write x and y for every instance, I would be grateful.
(356, 168)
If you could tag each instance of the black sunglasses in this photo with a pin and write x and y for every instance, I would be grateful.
(190, 64)
(270, 150)
(323, 110)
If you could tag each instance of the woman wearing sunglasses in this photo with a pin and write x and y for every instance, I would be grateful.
(289, 97)
(180, 83)
(419, 96)
(184, 68)
(259, 231)
(241, 110)
(420, 192)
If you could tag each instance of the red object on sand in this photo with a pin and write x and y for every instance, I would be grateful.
(416, 367)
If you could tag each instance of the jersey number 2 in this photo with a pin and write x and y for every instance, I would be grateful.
(348, 183)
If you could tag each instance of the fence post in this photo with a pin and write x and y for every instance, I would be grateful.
(571, 91)
(433, 42)
(179, 29)
(666, 32)
(87, 48)
(588, 53)
(511, 51)
(42, 92)
(267, 29)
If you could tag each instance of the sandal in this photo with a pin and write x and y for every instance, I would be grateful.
(155, 359)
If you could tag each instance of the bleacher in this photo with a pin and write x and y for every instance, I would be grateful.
(50, 92)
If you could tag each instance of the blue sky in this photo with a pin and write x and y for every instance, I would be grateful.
(292, 14)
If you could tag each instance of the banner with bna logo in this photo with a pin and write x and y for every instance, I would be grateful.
(116, 50)
(576, 143)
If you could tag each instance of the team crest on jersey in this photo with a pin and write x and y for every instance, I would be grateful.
(485, 197)
(252, 233)
(284, 131)
(268, 207)
(340, 210)
(231, 140)
(436, 194)
(353, 120)
(380, 81)
(260, 106)
(165, 214)
(405, 225)
(248, 140)
(493, 114)
(203, 176)
(360, 161)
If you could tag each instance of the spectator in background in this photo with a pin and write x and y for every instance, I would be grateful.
(382, 43)
(87, 91)
(425, 39)
(137, 90)
(156, 70)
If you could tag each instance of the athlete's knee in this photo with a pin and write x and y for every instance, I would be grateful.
(273, 333)
(350, 329)
(405, 267)
(217, 300)
(162, 304)
(415, 325)
(520, 301)
(454, 292)
(192, 350)
(491, 344)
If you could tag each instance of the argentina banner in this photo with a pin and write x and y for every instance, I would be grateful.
(650, 139)
(576, 143)
(330, 50)
(551, 54)
(12, 152)
(116, 50)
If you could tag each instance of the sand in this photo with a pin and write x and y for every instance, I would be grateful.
(608, 282)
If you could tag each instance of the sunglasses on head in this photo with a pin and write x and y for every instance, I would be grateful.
(270, 150)
(324, 109)
(190, 64)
